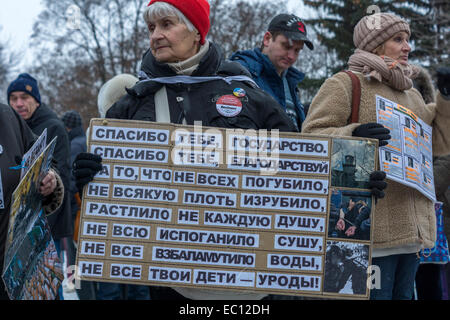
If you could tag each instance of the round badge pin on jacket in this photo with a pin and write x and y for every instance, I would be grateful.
(239, 92)
(229, 106)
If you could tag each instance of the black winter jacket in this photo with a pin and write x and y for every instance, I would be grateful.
(15, 139)
(60, 222)
(197, 102)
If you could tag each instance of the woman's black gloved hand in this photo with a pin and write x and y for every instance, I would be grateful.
(373, 130)
(85, 167)
(443, 81)
(377, 184)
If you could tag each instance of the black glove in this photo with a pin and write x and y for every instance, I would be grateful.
(443, 80)
(85, 167)
(377, 184)
(374, 131)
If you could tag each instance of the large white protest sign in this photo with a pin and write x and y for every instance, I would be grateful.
(252, 211)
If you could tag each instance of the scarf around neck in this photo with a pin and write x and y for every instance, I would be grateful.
(187, 67)
(384, 69)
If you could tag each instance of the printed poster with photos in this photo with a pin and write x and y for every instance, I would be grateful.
(222, 209)
(408, 158)
(32, 270)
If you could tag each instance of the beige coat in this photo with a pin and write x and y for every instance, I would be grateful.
(404, 217)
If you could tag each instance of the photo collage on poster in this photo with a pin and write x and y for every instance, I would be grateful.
(35, 272)
(350, 215)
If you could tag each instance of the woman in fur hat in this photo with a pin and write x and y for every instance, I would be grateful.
(404, 221)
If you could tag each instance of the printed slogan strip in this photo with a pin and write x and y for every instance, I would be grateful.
(244, 210)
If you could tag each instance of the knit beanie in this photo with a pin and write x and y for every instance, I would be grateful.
(196, 11)
(372, 31)
(71, 119)
(25, 83)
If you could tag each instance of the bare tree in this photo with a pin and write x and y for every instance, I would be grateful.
(84, 43)
(317, 65)
(9, 59)
(240, 25)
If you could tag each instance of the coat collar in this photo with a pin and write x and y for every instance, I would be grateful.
(259, 63)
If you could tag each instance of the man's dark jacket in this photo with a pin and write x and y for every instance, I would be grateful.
(60, 222)
(15, 139)
(267, 78)
(197, 102)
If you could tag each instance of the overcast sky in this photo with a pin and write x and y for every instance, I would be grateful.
(17, 18)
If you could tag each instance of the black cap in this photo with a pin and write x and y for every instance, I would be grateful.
(292, 27)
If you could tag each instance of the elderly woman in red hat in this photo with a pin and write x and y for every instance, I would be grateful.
(404, 221)
(184, 79)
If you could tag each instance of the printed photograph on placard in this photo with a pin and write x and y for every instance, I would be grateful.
(35, 271)
(411, 130)
(412, 170)
(391, 121)
(346, 268)
(352, 161)
(391, 163)
(26, 202)
(350, 214)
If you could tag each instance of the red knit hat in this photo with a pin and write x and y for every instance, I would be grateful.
(197, 11)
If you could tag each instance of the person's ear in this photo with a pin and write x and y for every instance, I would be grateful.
(267, 39)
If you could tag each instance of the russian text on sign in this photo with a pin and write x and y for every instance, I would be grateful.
(131, 154)
(319, 186)
(164, 274)
(239, 220)
(282, 165)
(223, 258)
(288, 281)
(127, 211)
(224, 278)
(208, 237)
(292, 203)
(279, 145)
(130, 135)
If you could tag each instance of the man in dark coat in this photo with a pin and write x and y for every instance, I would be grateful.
(24, 97)
(271, 66)
(77, 137)
(15, 140)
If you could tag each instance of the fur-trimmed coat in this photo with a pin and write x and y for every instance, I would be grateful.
(404, 217)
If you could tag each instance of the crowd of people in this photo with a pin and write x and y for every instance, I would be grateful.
(180, 75)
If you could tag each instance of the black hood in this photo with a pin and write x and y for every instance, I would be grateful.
(212, 64)
(76, 132)
(208, 66)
